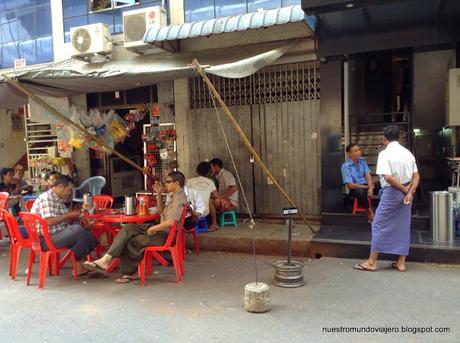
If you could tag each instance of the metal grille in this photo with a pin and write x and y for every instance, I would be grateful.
(280, 83)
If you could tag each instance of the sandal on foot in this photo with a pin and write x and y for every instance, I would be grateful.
(86, 272)
(359, 266)
(93, 266)
(394, 265)
(125, 279)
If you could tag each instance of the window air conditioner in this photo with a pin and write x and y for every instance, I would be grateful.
(137, 22)
(90, 40)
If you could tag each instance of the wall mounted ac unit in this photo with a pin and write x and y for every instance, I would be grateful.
(453, 98)
(90, 40)
(137, 22)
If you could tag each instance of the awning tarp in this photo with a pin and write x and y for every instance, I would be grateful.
(74, 77)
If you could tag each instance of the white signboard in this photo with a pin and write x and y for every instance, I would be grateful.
(21, 63)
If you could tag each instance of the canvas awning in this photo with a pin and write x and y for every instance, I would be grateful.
(74, 77)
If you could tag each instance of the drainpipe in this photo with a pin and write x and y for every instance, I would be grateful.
(346, 113)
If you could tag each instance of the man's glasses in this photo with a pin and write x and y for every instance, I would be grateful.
(169, 181)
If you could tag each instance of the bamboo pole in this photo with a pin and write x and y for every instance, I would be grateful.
(246, 141)
(69, 122)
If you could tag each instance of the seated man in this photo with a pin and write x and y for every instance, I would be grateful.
(22, 187)
(7, 185)
(227, 196)
(50, 206)
(131, 241)
(357, 177)
(206, 187)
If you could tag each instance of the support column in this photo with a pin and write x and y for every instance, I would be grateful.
(182, 99)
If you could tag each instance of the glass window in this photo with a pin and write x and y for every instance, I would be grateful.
(44, 21)
(27, 26)
(255, 5)
(226, 8)
(73, 22)
(10, 52)
(44, 49)
(121, 3)
(99, 5)
(118, 21)
(73, 8)
(29, 51)
(8, 32)
(286, 3)
(148, 3)
(6, 5)
(196, 10)
(102, 17)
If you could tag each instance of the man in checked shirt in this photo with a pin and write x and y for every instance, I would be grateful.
(64, 232)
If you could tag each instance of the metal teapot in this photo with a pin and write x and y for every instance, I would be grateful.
(130, 205)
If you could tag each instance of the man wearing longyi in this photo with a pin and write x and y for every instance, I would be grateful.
(131, 241)
(399, 178)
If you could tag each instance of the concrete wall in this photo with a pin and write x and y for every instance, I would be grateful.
(12, 144)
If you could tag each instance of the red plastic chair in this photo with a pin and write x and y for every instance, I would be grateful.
(195, 239)
(17, 242)
(101, 202)
(357, 208)
(31, 221)
(29, 204)
(3, 205)
(174, 244)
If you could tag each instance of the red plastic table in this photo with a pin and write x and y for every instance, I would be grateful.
(122, 218)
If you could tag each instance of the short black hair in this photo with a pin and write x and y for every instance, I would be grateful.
(5, 171)
(350, 146)
(217, 162)
(64, 180)
(391, 132)
(178, 177)
(203, 168)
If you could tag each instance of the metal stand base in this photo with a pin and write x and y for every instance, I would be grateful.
(288, 275)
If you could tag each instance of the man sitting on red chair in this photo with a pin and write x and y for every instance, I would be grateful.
(356, 175)
(131, 241)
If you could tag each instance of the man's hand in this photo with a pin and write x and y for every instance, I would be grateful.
(158, 187)
(151, 231)
(370, 192)
(408, 198)
(73, 214)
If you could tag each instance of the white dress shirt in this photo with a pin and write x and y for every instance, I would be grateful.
(396, 161)
(194, 199)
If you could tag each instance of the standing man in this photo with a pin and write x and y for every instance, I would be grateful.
(356, 175)
(131, 241)
(227, 198)
(399, 178)
(64, 234)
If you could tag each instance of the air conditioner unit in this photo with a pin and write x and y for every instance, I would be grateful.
(90, 40)
(137, 22)
(453, 98)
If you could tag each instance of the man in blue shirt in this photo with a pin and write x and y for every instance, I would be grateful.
(356, 175)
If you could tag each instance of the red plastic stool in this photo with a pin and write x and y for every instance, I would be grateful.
(357, 208)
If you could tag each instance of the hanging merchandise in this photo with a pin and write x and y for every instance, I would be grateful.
(119, 129)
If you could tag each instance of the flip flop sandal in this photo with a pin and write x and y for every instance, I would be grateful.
(86, 272)
(125, 279)
(360, 267)
(93, 266)
(213, 229)
(395, 266)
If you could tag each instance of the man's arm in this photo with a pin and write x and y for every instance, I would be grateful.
(392, 181)
(352, 185)
(412, 188)
(370, 189)
(231, 189)
(163, 226)
(59, 219)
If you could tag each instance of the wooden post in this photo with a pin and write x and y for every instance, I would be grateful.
(246, 141)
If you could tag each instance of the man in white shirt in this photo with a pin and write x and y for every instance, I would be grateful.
(206, 187)
(399, 178)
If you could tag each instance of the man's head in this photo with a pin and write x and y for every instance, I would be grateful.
(390, 134)
(52, 178)
(203, 169)
(175, 181)
(63, 186)
(7, 175)
(353, 151)
(216, 165)
(18, 172)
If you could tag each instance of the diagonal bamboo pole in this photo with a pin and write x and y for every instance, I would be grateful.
(69, 122)
(245, 140)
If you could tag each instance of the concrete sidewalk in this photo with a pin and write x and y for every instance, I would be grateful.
(208, 305)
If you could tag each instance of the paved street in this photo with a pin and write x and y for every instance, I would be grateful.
(208, 307)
